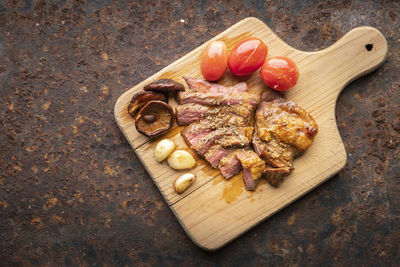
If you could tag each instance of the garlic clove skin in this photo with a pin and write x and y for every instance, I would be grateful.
(163, 149)
(183, 182)
(180, 160)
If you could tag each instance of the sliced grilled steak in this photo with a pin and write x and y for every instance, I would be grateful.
(217, 121)
(275, 153)
(235, 136)
(208, 131)
(206, 87)
(217, 99)
(226, 137)
(275, 175)
(229, 165)
(282, 130)
(288, 122)
(220, 129)
(253, 167)
(194, 133)
(189, 113)
(215, 154)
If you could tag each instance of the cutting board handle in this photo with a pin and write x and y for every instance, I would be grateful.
(357, 53)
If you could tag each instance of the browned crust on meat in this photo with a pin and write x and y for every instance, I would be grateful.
(217, 99)
(275, 153)
(287, 122)
(275, 175)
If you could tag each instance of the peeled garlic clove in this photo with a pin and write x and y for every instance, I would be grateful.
(163, 149)
(183, 182)
(180, 160)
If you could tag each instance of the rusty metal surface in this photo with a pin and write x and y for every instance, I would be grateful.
(72, 191)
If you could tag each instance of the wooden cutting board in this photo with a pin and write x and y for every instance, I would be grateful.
(214, 211)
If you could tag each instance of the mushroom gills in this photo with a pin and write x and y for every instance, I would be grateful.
(155, 118)
(141, 99)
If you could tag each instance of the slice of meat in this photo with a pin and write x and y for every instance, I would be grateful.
(236, 136)
(189, 113)
(223, 120)
(253, 167)
(206, 87)
(288, 122)
(226, 137)
(282, 130)
(275, 175)
(215, 154)
(217, 99)
(194, 133)
(275, 153)
(243, 110)
(201, 135)
(210, 123)
(229, 166)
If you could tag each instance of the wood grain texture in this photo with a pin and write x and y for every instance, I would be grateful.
(214, 211)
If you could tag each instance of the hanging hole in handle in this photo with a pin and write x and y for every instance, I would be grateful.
(369, 47)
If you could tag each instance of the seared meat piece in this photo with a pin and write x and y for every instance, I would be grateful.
(193, 133)
(226, 137)
(253, 167)
(206, 87)
(217, 99)
(212, 123)
(229, 165)
(215, 154)
(282, 130)
(229, 131)
(275, 175)
(275, 153)
(287, 121)
(235, 136)
(218, 116)
(189, 113)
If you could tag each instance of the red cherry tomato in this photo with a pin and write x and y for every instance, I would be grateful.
(247, 56)
(214, 61)
(279, 73)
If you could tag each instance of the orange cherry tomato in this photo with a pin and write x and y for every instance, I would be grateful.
(214, 61)
(247, 56)
(279, 73)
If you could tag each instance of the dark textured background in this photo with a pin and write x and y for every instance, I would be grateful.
(72, 191)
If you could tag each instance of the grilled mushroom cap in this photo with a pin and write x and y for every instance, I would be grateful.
(141, 99)
(164, 85)
(155, 118)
